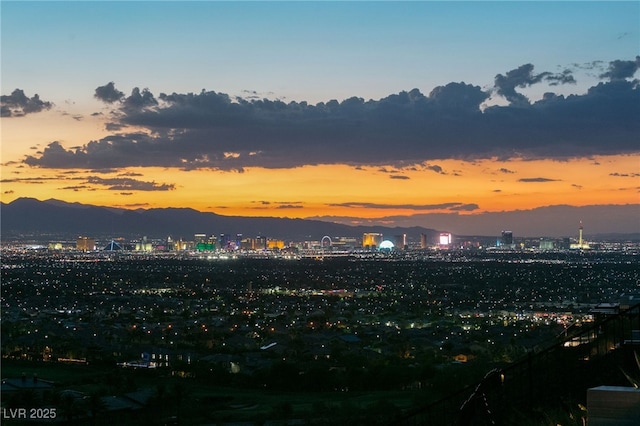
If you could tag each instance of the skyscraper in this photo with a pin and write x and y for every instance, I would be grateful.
(507, 238)
(445, 239)
(581, 245)
(423, 241)
(371, 240)
(85, 244)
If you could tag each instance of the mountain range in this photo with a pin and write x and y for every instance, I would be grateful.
(29, 216)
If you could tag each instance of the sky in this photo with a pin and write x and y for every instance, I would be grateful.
(356, 112)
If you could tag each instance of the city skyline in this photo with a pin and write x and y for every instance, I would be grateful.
(361, 113)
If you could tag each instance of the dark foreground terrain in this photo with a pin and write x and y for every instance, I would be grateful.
(146, 340)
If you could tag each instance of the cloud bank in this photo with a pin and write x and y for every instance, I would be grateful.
(120, 183)
(17, 104)
(217, 131)
(452, 206)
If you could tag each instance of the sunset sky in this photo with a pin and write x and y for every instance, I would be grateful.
(391, 111)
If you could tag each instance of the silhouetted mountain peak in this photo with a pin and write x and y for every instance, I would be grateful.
(28, 215)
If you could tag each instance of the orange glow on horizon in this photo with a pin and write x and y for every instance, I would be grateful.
(341, 190)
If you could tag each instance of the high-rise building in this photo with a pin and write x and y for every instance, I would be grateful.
(505, 241)
(581, 245)
(275, 244)
(342, 243)
(204, 243)
(144, 245)
(424, 243)
(181, 245)
(225, 241)
(445, 239)
(260, 243)
(85, 244)
(371, 240)
(507, 238)
(546, 245)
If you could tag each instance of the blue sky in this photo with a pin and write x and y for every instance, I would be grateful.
(313, 51)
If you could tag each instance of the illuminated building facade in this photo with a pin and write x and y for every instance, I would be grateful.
(424, 242)
(386, 245)
(546, 245)
(581, 245)
(445, 239)
(204, 243)
(181, 245)
(225, 241)
(344, 243)
(85, 244)
(275, 244)
(144, 245)
(258, 243)
(371, 240)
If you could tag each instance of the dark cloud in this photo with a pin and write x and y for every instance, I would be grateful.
(254, 95)
(465, 207)
(507, 171)
(17, 104)
(214, 130)
(524, 76)
(120, 184)
(290, 206)
(435, 168)
(565, 77)
(140, 99)
(54, 156)
(114, 127)
(537, 179)
(620, 70)
(8, 192)
(107, 171)
(286, 204)
(616, 174)
(590, 66)
(401, 177)
(458, 96)
(37, 180)
(75, 188)
(442, 206)
(108, 93)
